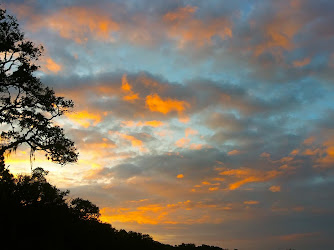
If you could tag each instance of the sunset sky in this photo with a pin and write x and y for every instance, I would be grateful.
(207, 122)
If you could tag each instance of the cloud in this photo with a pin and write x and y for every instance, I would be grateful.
(249, 176)
(234, 152)
(127, 89)
(302, 62)
(82, 23)
(299, 236)
(153, 123)
(198, 146)
(51, 66)
(84, 118)
(180, 13)
(190, 131)
(275, 189)
(235, 98)
(78, 24)
(182, 26)
(155, 104)
(182, 143)
(135, 142)
(158, 213)
(256, 36)
(251, 202)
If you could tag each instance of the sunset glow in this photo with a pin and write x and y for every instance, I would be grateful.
(207, 122)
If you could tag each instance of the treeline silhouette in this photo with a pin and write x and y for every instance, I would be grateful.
(35, 214)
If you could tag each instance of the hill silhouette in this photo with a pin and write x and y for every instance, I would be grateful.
(35, 214)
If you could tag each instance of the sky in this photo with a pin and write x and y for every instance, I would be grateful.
(206, 122)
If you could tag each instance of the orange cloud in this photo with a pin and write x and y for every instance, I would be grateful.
(154, 123)
(180, 14)
(131, 97)
(186, 212)
(251, 202)
(134, 141)
(190, 131)
(196, 146)
(212, 186)
(180, 176)
(326, 159)
(78, 23)
(275, 39)
(150, 214)
(182, 143)
(127, 88)
(51, 66)
(275, 189)
(105, 144)
(84, 118)
(298, 236)
(124, 215)
(75, 23)
(182, 26)
(311, 152)
(265, 155)
(330, 151)
(234, 152)
(247, 175)
(294, 152)
(279, 32)
(301, 63)
(321, 154)
(156, 104)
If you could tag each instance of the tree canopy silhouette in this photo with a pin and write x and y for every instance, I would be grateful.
(27, 106)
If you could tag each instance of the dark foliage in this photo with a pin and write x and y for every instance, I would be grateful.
(27, 107)
(35, 214)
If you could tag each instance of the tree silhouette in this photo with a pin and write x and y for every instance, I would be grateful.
(84, 209)
(27, 107)
(34, 190)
